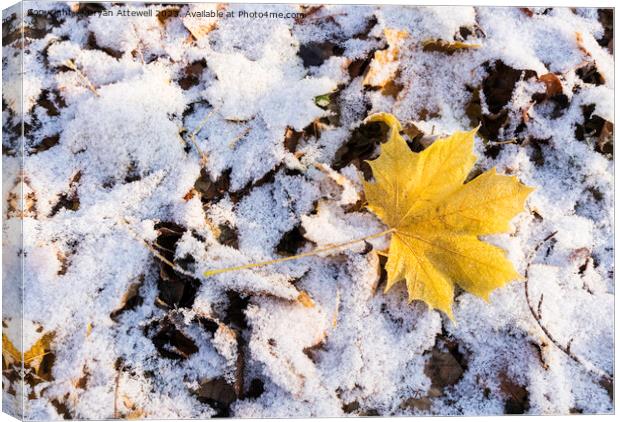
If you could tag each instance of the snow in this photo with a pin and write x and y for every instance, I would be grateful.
(318, 333)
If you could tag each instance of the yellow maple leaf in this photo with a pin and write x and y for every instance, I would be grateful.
(436, 219)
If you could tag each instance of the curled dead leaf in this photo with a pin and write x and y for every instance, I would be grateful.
(552, 83)
(447, 47)
(384, 65)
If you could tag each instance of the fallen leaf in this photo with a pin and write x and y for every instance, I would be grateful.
(581, 45)
(517, 396)
(447, 47)
(436, 219)
(527, 11)
(218, 393)
(165, 14)
(322, 100)
(200, 26)
(552, 84)
(605, 141)
(384, 65)
(10, 354)
(305, 299)
(32, 358)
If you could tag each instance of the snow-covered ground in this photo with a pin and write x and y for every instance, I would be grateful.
(201, 141)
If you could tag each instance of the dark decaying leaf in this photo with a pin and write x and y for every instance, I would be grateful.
(169, 340)
(315, 54)
(68, 200)
(130, 300)
(217, 393)
(589, 74)
(191, 74)
(496, 90)
(228, 235)
(500, 83)
(517, 397)
(92, 44)
(361, 146)
(596, 131)
(46, 143)
(291, 139)
(291, 241)
(211, 191)
(606, 18)
(176, 290)
(255, 389)
(234, 314)
(445, 367)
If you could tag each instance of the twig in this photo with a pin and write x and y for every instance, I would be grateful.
(166, 260)
(192, 137)
(588, 366)
(156, 253)
(71, 65)
(202, 123)
(234, 142)
(508, 141)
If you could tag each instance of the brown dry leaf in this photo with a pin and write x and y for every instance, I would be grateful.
(605, 141)
(384, 65)
(305, 299)
(580, 44)
(10, 354)
(134, 411)
(517, 396)
(527, 11)
(552, 83)
(164, 14)
(136, 414)
(199, 26)
(22, 200)
(130, 298)
(447, 47)
(32, 357)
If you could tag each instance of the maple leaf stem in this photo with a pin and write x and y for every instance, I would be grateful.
(313, 252)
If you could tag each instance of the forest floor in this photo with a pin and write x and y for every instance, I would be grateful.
(158, 147)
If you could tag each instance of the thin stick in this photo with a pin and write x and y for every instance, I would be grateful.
(156, 253)
(302, 255)
(203, 155)
(588, 366)
(71, 65)
(509, 141)
(233, 143)
(166, 260)
(193, 133)
(202, 123)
